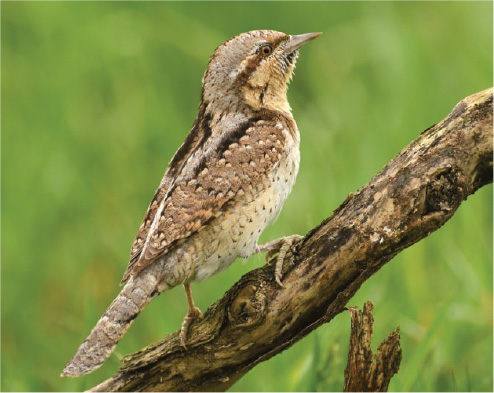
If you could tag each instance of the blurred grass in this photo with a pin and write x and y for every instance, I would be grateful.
(97, 96)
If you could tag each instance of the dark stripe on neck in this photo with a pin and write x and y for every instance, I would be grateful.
(234, 137)
(270, 117)
(227, 140)
(197, 137)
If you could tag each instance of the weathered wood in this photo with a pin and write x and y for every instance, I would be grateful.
(366, 372)
(412, 196)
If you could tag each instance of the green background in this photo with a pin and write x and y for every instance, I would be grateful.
(96, 98)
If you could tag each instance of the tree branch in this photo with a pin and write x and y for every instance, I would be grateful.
(366, 372)
(412, 196)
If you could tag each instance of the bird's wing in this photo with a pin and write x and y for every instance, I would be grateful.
(193, 142)
(201, 187)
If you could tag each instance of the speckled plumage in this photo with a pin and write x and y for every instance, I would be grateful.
(224, 185)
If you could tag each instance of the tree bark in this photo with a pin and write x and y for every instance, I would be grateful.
(412, 196)
(366, 372)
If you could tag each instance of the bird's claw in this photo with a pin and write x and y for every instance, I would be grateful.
(278, 280)
(280, 247)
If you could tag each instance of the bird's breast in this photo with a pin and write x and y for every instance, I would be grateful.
(236, 231)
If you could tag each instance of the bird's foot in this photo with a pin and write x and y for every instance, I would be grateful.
(280, 247)
(192, 315)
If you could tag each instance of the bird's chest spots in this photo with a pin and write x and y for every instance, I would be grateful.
(242, 222)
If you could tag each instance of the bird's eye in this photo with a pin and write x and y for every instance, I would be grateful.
(266, 50)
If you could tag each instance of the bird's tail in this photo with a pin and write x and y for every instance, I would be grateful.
(104, 337)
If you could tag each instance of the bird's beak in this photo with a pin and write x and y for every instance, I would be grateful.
(296, 41)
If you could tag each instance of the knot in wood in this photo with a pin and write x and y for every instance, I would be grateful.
(442, 192)
(247, 309)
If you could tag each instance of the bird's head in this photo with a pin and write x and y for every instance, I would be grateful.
(253, 69)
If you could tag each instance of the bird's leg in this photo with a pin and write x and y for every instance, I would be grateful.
(193, 314)
(280, 247)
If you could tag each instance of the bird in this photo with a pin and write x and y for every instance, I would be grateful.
(224, 185)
